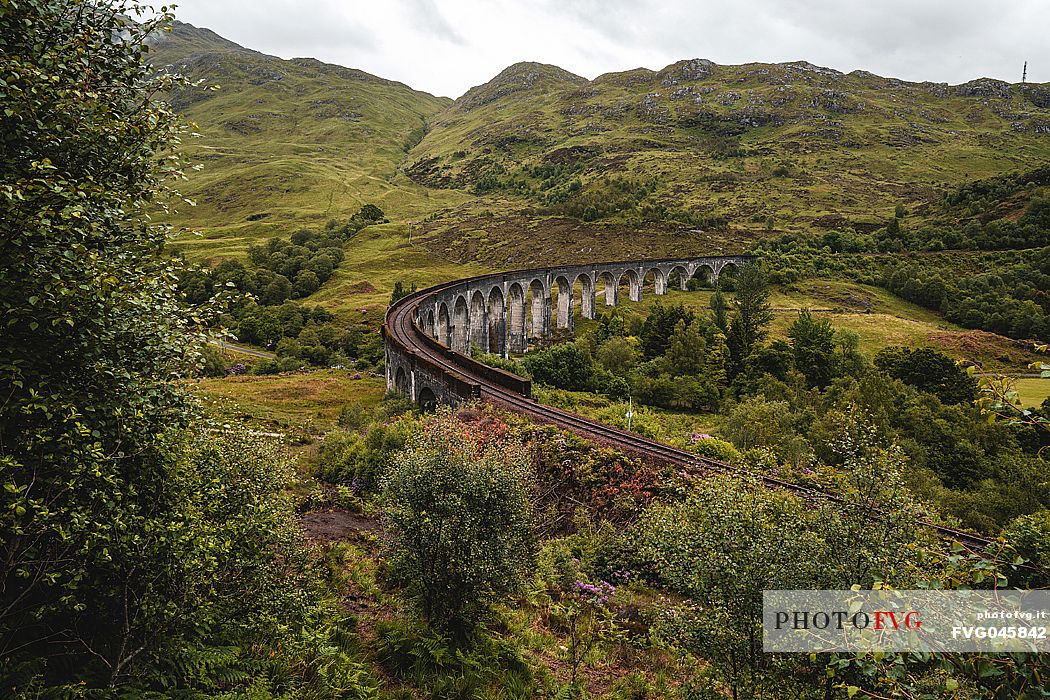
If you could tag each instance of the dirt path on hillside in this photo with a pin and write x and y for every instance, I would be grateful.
(334, 525)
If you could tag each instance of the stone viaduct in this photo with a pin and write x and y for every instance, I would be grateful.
(503, 313)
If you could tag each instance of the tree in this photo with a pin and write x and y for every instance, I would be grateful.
(93, 335)
(928, 370)
(685, 354)
(751, 314)
(849, 362)
(610, 325)
(729, 539)
(813, 343)
(566, 366)
(370, 212)
(616, 354)
(756, 422)
(776, 359)
(400, 291)
(306, 283)
(717, 360)
(132, 547)
(1029, 536)
(460, 523)
(720, 310)
(659, 325)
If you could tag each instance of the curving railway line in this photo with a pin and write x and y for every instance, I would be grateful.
(471, 379)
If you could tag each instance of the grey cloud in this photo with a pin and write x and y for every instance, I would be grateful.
(443, 46)
(293, 30)
(282, 27)
(611, 18)
(427, 17)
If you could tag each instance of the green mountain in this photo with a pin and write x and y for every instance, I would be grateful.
(542, 165)
(735, 149)
(289, 143)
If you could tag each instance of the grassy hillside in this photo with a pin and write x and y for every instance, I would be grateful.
(540, 165)
(731, 149)
(289, 144)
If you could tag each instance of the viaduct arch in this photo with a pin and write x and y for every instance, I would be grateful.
(505, 313)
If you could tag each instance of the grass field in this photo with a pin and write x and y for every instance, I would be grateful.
(289, 144)
(302, 403)
(1032, 391)
(376, 258)
(764, 147)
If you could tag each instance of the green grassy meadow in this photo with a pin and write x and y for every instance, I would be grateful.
(302, 402)
(1032, 391)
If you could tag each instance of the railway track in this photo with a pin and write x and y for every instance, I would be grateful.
(402, 329)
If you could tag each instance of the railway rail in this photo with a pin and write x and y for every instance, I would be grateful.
(475, 380)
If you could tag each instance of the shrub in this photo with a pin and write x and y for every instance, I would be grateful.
(707, 446)
(813, 343)
(460, 523)
(1029, 535)
(617, 354)
(566, 366)
(353, 459)
(214, 365)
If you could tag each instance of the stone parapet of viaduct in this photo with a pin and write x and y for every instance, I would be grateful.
(504, 313)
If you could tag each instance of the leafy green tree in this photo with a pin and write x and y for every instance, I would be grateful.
(717, 362)
(730, 539)
(1029, 536)
(928, 370)
(755, 422)
(400, 291)
(617, 355)
(720, 310)
(776, 359)
(566, 366)
(687, 349)
(370, 212)
(751, 314)
(460, 523)
(610, 324)
(659, 325)
(306, 283)
(93, 334)
(849, 361)
(137, 555)
(813, 343)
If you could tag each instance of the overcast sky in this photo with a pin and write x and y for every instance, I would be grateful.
(447, 46)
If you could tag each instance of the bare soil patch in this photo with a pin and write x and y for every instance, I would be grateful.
(335, 525)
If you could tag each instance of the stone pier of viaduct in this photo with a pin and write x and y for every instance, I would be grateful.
(503, 313)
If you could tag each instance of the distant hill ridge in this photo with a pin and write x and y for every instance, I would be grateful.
(753, 146)
(526, 74)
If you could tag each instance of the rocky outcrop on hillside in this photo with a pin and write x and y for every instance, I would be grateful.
(520, 77)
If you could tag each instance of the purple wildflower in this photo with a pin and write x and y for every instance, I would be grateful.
(594, 594)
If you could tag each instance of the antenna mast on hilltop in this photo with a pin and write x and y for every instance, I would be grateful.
(1024, 72)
